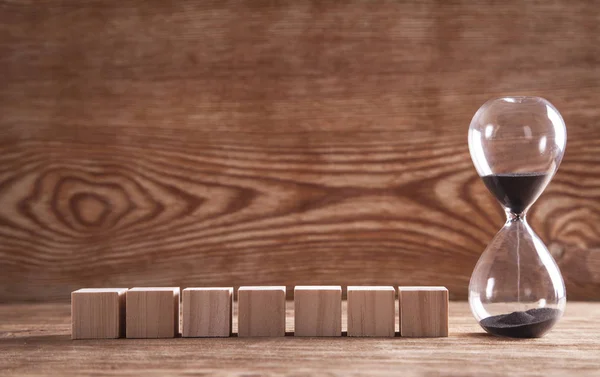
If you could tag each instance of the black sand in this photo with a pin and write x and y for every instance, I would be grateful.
(516, 191)
(533, 323)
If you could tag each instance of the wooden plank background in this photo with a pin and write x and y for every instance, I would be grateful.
(264, 142)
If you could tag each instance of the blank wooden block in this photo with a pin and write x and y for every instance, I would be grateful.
(318, 310)
(261, 311)
(423, 311)
(371, 311)
(153, 312)
(98, 313)
(207, 312)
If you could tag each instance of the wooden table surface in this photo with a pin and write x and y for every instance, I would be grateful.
(35, 340)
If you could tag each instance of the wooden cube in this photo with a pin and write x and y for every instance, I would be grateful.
(423, 311)
(318, 310)
(371, 311)
(207, 312)
(261, 311)
(98, 313)
(153, 312)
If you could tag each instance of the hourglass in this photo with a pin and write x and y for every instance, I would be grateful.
(516, 144)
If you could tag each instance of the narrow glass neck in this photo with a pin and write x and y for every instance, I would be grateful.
(513, 217)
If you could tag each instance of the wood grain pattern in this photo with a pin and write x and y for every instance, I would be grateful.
(152, 312)
(98, 313)
(317, 310)
(40, 332)
(261, 311)
(371, 311)
(206, 312)
(200, 143)
(423, 311)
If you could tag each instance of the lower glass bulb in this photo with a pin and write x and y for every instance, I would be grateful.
(516, 289)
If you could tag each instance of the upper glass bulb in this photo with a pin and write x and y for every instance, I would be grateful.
(517, 144)
(524, 136)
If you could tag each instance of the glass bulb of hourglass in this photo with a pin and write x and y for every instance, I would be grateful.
(517, 144)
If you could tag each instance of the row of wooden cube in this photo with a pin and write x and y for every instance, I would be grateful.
(207, 312)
